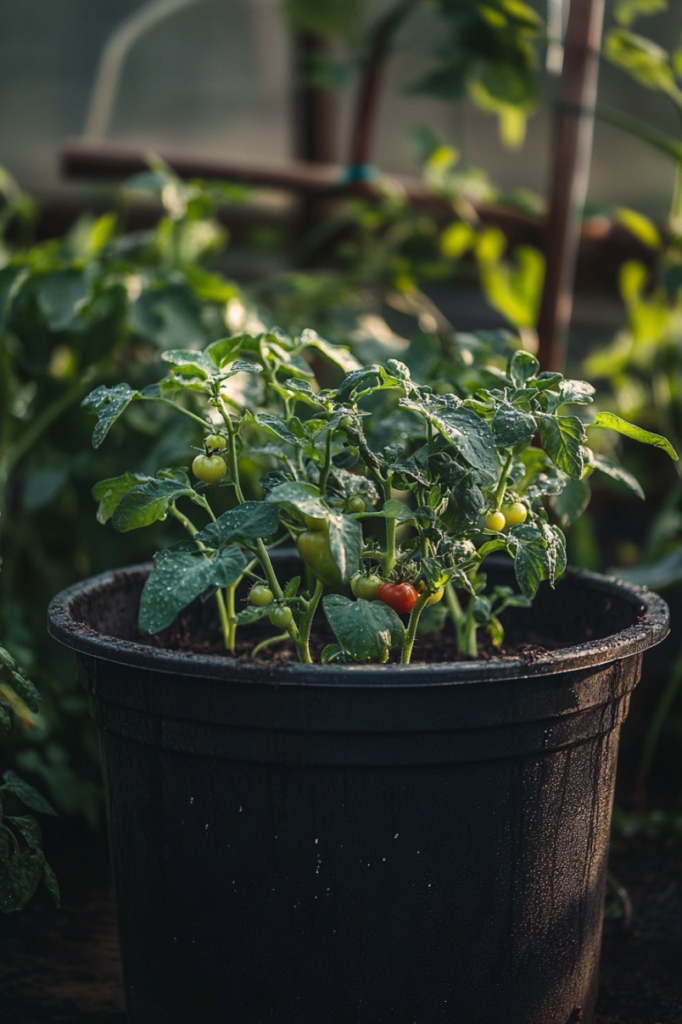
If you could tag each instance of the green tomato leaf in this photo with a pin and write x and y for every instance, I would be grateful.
(512, 426)
(366, 630)
(610, 421)
(252, 614)
(667, 572)
(330, 654)
(276, 427)
(27, 794)
(572, 502)
(109, 492)
(576, 392)
(107, 404)
(189, 362)
(179, 577)
(472, 437)
(345, 543)
(29, 829)
(20, 876)
(562, 438)
(616, 472)
(147, 503)
(304, 497)
(522, 366)
(396, 509)
(250, 521)
(337, 354)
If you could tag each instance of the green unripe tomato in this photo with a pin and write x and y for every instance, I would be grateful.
(495, 521)
(209, 468)
(281, 616)
(260, 596)
(215, 443)
(515, 514)
(355, 504)
(345, 422)
(366, 587)
(313, 523)
(313, 547)
(435, 598)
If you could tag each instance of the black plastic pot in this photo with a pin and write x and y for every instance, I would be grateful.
(362, 845)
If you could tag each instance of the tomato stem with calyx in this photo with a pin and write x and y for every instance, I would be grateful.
(412, 627)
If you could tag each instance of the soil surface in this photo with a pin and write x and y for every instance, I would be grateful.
(186, 635)
(63, 967)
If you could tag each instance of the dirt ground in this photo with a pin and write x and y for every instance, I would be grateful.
(63, 966)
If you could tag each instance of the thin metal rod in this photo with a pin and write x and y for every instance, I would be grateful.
(116, 49)
(572, 157)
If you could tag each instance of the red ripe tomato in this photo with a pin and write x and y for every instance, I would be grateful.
(401, 597)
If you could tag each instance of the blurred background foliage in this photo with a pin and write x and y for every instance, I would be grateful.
(96, 305)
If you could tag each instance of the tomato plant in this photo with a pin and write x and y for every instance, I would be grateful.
(478, 474)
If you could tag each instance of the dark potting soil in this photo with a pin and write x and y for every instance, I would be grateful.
(206, 638)
(63, 966)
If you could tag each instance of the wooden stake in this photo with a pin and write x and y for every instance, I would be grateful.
(574, 127)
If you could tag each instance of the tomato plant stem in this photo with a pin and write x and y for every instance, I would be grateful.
(303, 642)
(270, 640)
(470, 646)
(232, 447)
(225, 624)
(324, 475)
(412, 627)
(499, 494)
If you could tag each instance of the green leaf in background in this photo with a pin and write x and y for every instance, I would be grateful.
(338, 18)
(42, 486)
(610, 421)
(20, 875)
(60, 296)
(107, 404)
(667, 572)
(179, 577)
(109, 492)
(27, 794)
(640, 226)
(365, 629)
(147, 503)
(337, 354)
(626, 11)
(249, 521)
(562, 438)
(616, 472)
(646, 61)
(572, 502)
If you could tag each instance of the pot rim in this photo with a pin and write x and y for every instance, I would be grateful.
(652, 626)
